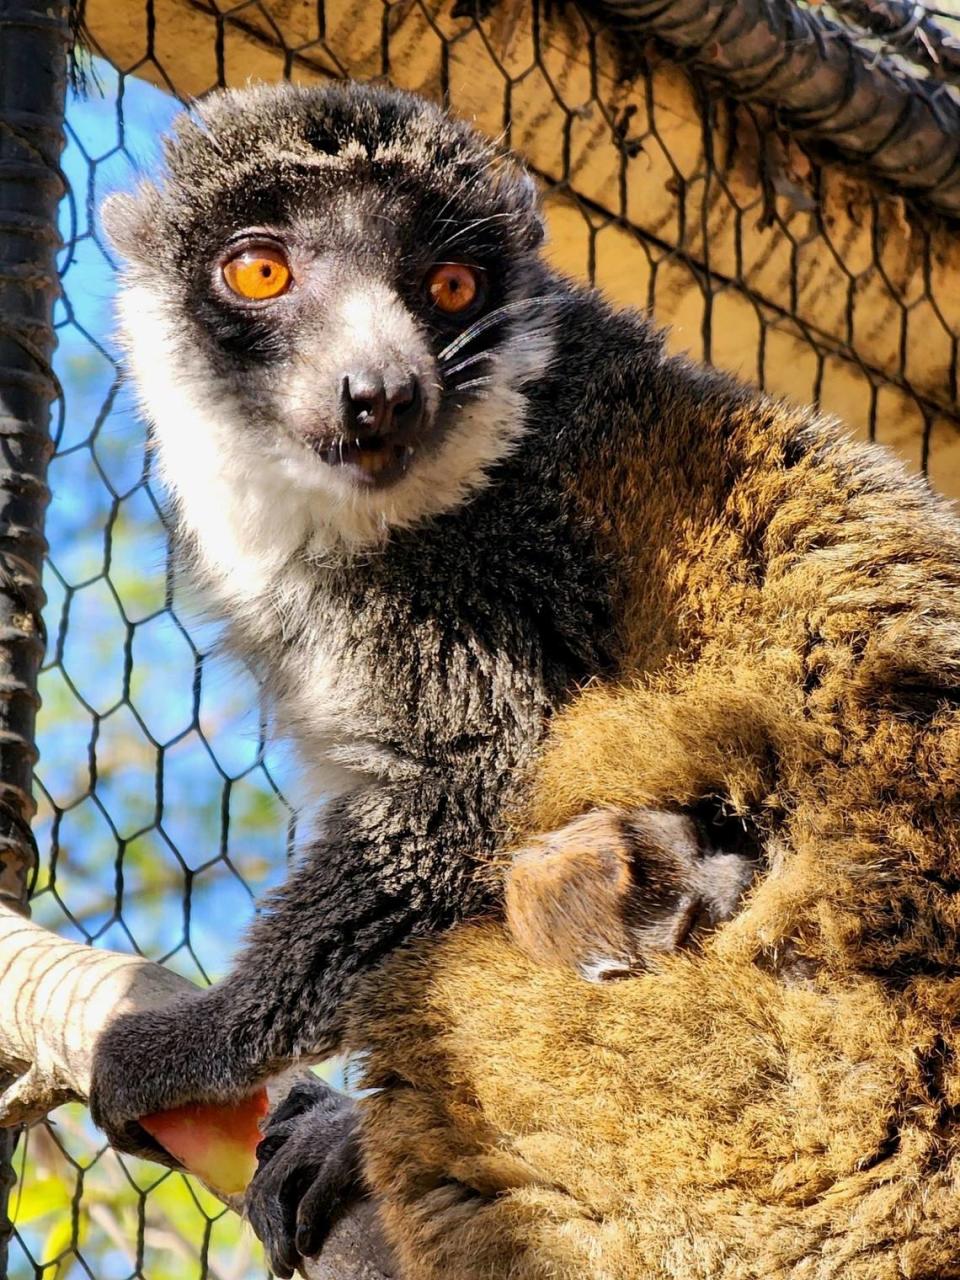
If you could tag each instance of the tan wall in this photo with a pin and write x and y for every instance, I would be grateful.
(821, 289)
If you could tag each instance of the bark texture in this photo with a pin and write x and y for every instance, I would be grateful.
(826, 88)
(57, 996)
(910, 30)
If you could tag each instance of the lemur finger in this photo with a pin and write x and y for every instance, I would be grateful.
(309, 1170)
(271, 1209)
(127, 1135)
(305, 1094)
(339, 1184)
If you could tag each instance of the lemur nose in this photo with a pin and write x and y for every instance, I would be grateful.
(371, 406)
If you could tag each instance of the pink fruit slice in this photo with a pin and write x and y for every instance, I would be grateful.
(217, 1142)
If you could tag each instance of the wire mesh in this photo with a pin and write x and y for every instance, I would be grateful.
(163, 809)
(34, 42)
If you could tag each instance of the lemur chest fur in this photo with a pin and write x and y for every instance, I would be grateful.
(379, 676)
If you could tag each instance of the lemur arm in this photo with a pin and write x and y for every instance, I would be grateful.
(391, 863)
(630, 859)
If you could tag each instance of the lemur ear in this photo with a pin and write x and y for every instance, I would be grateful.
(524, 193)
(128, 222)
(538, 226)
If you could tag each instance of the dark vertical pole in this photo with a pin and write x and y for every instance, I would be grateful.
(34, 49)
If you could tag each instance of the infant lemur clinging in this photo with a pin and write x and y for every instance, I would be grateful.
(438, 491)
(373, 405)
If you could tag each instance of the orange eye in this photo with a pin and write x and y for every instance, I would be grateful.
(258, 274)
(452, 286)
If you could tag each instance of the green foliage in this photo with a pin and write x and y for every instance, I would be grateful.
(159, 817)
(92, 1211)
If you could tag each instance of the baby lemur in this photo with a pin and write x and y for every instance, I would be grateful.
(436, 489)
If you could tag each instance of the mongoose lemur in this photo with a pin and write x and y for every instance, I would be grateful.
(526, 592)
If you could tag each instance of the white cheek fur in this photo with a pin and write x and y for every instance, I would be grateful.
(251, 504)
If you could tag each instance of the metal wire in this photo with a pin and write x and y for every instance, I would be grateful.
(823, 83)
(34, 40)
(162, 809)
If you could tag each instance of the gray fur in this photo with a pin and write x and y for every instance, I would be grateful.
(416, 638)
(415, 658)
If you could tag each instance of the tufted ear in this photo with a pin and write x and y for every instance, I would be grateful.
(521, 189)
(538, 226)
(130, 223)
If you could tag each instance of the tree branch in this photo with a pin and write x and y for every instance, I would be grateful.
(825, 87)
(57, 997)
(909, 29)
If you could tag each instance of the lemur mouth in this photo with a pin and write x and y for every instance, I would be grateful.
(380, 424)
(371, 462)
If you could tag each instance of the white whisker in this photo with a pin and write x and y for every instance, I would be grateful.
(472, 226)
(474, 382)
(519, 340)
(465, 364)
(469, 180)
(492, 318)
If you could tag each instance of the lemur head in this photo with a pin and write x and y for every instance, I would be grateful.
(321, 303)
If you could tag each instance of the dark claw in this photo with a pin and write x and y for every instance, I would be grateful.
(308, 1173)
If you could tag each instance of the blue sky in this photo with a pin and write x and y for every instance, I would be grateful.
(129, 693)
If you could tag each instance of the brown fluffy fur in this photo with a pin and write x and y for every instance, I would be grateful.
(782, 1102)
(705, 1121)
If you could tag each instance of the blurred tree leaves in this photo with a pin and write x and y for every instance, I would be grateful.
(160, 809)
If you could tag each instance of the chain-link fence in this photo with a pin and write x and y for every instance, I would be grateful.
(163, 812)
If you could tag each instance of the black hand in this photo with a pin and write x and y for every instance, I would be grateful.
(158, 1059)
(394, 861)
(308, 1173)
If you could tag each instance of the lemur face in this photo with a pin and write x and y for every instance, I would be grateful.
(322, 299)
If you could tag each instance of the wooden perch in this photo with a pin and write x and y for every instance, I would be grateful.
(908, 28)
(57, 996)
(825, 87)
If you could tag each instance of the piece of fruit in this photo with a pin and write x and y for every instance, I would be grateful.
(217, 1142)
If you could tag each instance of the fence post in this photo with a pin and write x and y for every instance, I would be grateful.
(34, 50)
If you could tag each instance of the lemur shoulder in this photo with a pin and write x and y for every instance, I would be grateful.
(524, 589)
